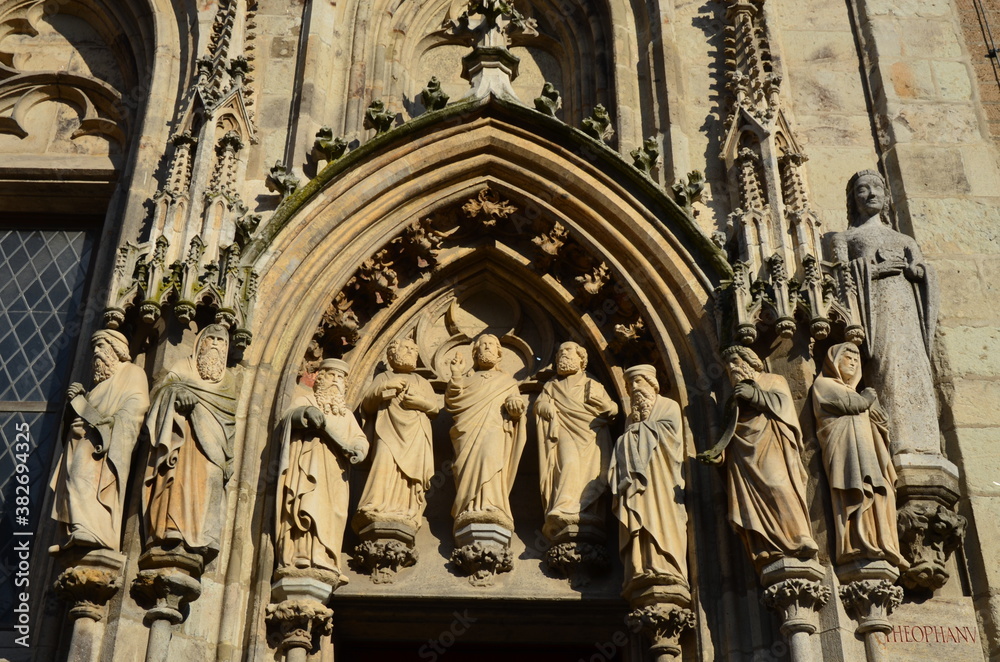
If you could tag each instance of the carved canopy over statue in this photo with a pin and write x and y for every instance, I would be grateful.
(398, 403)
(320, 439)
(647, 481)
(851, 428)
(488, 435)
(191, 423)
(90, 480)
(762, 449)
(899, 305)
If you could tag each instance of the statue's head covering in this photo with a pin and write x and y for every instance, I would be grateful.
(117, 341)
(334, 364)
(853, 215)
(831, 366)
(644, 370)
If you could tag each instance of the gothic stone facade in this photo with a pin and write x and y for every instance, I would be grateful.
(534, 328)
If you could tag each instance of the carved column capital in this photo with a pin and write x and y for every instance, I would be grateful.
(299, 621)
(871, 601)
(663, 624)
(796, 600)
(165, 593)
(90, 581)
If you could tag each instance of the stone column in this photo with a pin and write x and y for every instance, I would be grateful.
(88, 585)
(166, 584)
(661, 612)
(870, 595)
(299, 615)
(792, 588)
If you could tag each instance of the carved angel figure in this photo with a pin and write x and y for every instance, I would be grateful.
(191, 423)
(574, 445)
(90, 480)
(320, 439)
(488, 435)
(899, 303)
(851, 428)
(762, 449)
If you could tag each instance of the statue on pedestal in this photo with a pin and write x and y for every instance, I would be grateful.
(320, 439)
(191, 423)
(853, 433)
(762, 449)
(647, 481)
(90, 480)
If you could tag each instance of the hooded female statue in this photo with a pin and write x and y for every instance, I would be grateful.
(898, 300)
(851, 428)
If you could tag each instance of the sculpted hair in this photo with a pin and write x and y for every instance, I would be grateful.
(392, 351)
(481, 339)
(746, 354)
(853, 215)
(581, 352)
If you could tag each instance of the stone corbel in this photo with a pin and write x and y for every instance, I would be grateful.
(660, 610)
(299, 616)
(870, 595)
(168, 581)
(793, 588)
(929, 528)
(88, 585)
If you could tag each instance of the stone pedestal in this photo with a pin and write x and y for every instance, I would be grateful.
(482, 551)
(91, 580)
(929, 528)
(167, 582)
(660, 611)
(298, 615)
(869, 594)
(385, 549)
(792, 588)
(577, 552)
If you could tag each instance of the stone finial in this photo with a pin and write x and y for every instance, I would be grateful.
(327, 147)
(598, 125)
(432, 96)
(379, 117)
(491, 67)
(550, 101)
(280, 179)
(646, 157)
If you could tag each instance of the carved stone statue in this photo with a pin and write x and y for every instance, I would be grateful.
(488, 435)
(851, 428)
(647, 481)
(571, 416)
(320, 439)
(191, 423)
(400, 402)
(90, 481)
(899, 304)
(762, 449)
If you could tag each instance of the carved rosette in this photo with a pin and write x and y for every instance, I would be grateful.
(663, 625)
(299, 623)
(578, 561)
(483, 561)
(165, 594)
(870, 602)
(383, 559)
(928, 533)
(796, 600)
(88, 589)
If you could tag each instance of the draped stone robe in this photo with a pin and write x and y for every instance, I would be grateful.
(190, 461)
(574, 450)
(647, 481)
(313, 489)
(488, 444)
(90, 480)
(403, 462)
(855, 443)
(765, 475)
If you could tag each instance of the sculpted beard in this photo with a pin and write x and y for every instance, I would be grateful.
(486, 357)
(743, 372)
(642, 402)
(565, 365)
(330, 398)
(211, 364)
(105, 363)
